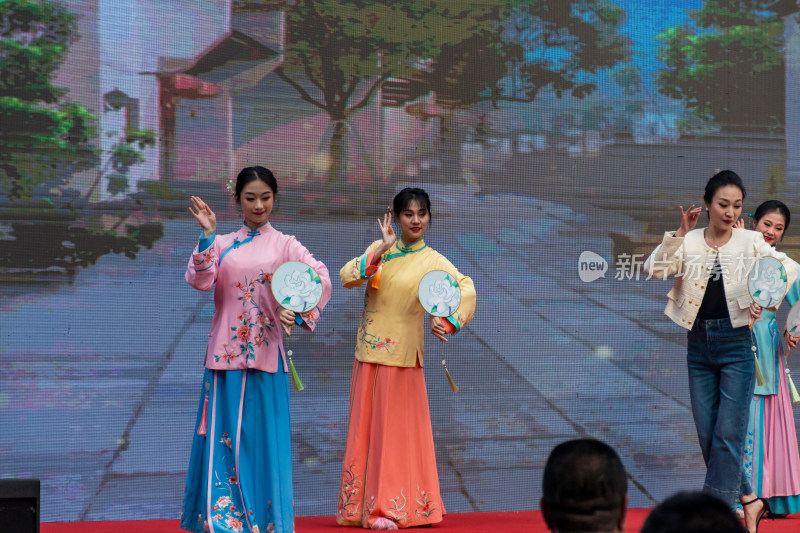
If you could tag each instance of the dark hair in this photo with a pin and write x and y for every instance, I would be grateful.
(584, 486)
(408, 195)
(723, 179)
(692, 512)
(773, 206)
(248, 174)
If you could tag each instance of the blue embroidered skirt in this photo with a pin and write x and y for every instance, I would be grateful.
(240, 470)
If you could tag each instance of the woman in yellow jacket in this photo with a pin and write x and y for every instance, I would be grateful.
(711, 300)
(389, 478)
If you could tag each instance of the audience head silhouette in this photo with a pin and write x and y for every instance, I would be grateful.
(584, 488)
(692, 512)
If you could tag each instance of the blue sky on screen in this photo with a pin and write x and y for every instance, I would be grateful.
(645, 20)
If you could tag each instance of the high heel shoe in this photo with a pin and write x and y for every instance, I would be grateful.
(764, 510)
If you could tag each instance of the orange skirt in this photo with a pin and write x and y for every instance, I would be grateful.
(389, 467)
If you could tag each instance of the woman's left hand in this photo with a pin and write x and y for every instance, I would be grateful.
(437, 328)
(739, 224)
(287, 320)
(755, 312)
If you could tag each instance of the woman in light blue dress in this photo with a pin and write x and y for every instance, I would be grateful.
(771, 456)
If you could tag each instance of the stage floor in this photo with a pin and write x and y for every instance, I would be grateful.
(515, 522)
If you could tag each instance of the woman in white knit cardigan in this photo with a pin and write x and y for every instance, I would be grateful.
(710, 298)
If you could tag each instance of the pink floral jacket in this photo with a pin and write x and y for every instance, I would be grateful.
(245, 330)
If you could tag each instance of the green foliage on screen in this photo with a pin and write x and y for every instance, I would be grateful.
(720, 64)
(39, 134)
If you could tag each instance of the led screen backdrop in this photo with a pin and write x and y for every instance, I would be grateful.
(556, 140)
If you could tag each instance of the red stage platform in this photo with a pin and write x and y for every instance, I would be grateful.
(521, 522)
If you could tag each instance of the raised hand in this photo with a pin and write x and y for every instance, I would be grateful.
(204, 215)
(387, 232)
(688, 220)
(739, 224)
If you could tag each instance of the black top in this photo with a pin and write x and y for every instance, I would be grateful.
(714, 305)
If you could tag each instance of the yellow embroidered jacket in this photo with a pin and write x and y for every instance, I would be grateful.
(392, 324)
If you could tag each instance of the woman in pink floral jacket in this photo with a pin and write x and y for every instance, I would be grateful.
(240, 476)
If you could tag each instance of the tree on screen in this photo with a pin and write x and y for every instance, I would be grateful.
(535, 45)
(721, 63)
(338, 54)
(42, 138)
(45, 139)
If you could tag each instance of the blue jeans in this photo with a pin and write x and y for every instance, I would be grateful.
(721, 379)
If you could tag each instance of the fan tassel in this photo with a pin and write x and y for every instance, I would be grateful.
(298, 385)
(759, 375)
(792, 389)
(453, 386)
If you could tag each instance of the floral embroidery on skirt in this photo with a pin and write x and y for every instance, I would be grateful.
(389, 467)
